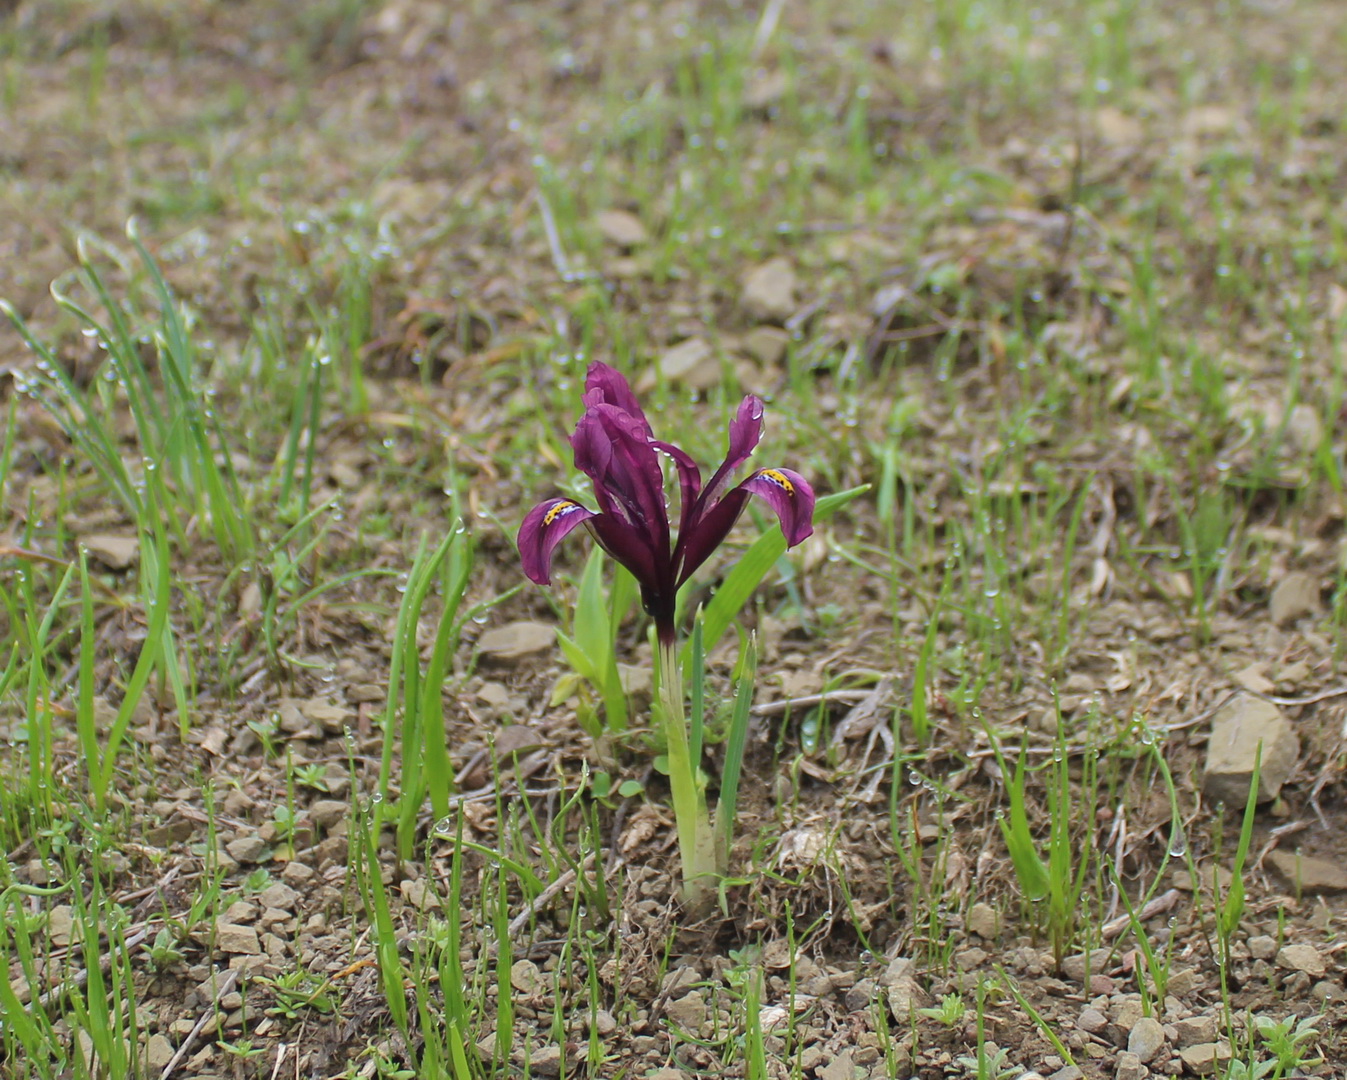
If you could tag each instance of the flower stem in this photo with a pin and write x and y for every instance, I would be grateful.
(696, 842)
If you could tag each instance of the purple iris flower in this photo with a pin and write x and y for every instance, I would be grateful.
(615, 447)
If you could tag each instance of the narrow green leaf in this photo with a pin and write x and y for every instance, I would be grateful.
(579, 659)
(1029, 868)
(727, 807)
(391, 972)
(697, 719)
(154, 563)
(84, 701)
(1232, 910)
(591, 629)
(595, 635)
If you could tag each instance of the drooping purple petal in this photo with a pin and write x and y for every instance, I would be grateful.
(605, 385)
(789, 494)
(745, 431)
(543, 528)
(785, 491)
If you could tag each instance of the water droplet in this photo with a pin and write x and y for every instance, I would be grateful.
(1178, 841)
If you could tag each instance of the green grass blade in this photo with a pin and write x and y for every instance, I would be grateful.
(727, 806)
(697, 717)
(1232, 909)
(391, 971)
(438, 768)
(154, 563)
(1029, 868)
(85, 728)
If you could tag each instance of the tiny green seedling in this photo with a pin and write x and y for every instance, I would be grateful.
(949, 1012)
(163, 951)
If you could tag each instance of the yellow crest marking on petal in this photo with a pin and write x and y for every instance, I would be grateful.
(779, 479)
(563, 507)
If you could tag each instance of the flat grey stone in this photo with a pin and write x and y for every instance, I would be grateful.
(1202, 1059)
(1146, 1039)
(526, 977)
(546, 1061)
(327, 812)
(621, 228)
(61, 926)
(1195, 1030)
(158, 1053)
(860, 995)
(688, 1012)
(279, 895)
(1297, 594)
(114, 552)
(1237, 729)
(1304, 958)
(1073, 967)
(515, 640)
(334, 719)
(232, 938)
(767, 345)
(769, 290)
(248, 849)
(691, 362)
(1309, 874)
(842, 1067)
(983, 920)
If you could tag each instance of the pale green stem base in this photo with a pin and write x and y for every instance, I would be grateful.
(696, 842)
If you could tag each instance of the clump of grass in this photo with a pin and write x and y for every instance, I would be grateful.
(426, 768)
(1056, 882)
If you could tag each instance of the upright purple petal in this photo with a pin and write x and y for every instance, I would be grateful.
(608, 386)
(689, 478)
(745, 431)
(612, 449)
(789, 494)
(543, 528)
(593, 448)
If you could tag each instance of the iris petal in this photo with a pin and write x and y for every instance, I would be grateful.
(707, 533)
(607, 386)
(689, 478)
(632, 549)
(789, 494)
(745, 431)
(544, 527)
(612, 449)
(786, 492)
